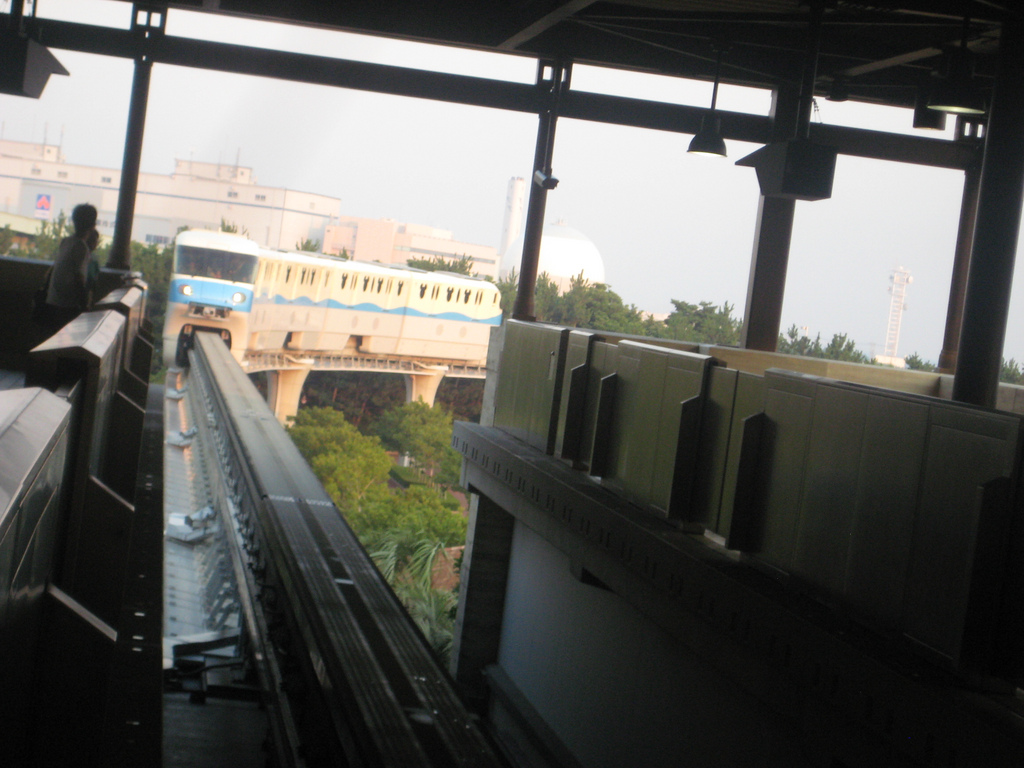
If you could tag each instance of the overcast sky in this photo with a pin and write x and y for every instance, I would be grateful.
(669, 225)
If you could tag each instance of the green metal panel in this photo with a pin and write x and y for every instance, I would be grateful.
(966, 449)
(788, 404)
(889, 472)
(512, 354)
(574, 393)
(829, 496)
(526, 398)
(715, 427)
(749, 400)
(652, 384)
(603, 361)
(678, 431)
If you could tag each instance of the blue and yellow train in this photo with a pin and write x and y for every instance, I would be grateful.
(266, 300)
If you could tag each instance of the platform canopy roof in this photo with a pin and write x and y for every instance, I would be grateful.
(878, 51)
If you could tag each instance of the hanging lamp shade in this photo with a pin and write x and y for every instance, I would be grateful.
(956, 92)
(708, 140)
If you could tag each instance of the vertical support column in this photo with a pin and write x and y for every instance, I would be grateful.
(484, 576)
(423, 386)
(961, 264)
(555, 78)
(986, 304)
(145, 24)
(766, 285)
(284, 389)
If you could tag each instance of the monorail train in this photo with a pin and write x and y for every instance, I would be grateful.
(261, 299)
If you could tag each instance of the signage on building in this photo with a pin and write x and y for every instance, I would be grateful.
(43, 206)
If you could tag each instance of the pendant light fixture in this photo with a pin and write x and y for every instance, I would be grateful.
(708, 140)
(956, 92)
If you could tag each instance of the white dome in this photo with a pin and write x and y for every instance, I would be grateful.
(564, 253)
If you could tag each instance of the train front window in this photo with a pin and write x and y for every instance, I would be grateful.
(220, 265)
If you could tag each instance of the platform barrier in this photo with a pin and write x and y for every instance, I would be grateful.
(856, 484)
(72, 619)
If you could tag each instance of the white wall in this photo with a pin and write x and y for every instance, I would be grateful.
(616, 689)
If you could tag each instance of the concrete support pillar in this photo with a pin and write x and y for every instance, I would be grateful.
(554, 78)
(484, 575)
(961, 265)
(146, 24)
(987, 302)
(284, 388)
(422, 386)
(766, 286)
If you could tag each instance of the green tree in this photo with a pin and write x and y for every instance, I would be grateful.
(363, 397)
(232, 228)
(305, 244)
(1010, 372)
(508, 287)
(705, 323)
(6, 240)
(44, 245)
(425, 433)
(843, 348)
(460, 265)
(796, 343)
(351, 466)
(915, 362)
(839, 348)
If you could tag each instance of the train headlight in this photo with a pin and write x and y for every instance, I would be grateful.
(186, 289)
(238, 297)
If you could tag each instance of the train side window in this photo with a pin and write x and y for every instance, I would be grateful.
(312, 276)
(436, 292)
(288, 274)
(401, 284)
(344, 279)
(450, 292)
(366, 283)
(380, 283)
(466, 299)
(423, 290)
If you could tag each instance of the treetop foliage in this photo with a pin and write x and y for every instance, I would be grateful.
(794, 342)
(597, 306)
(460, 265)
(306, 244)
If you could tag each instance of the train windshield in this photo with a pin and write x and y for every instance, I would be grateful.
(222, 265)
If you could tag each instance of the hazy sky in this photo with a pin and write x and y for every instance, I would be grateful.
(669, 225)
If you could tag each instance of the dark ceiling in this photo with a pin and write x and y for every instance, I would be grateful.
(881, 51)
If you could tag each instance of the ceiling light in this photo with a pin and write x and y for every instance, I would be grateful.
(708, 140)
(956, 92)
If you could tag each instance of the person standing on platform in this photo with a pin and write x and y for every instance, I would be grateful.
(68, 293)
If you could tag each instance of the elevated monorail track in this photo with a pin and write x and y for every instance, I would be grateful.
(347, 676)
(255, 361)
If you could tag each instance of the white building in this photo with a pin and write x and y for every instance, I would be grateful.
(37, 181)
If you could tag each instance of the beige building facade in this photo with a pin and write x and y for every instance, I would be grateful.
(37, 181)
(392, 242)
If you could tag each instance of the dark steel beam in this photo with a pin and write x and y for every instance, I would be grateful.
(553, 78)
(961, 265)
(483, 92)
(121, 247)
(542, 23)
(986, 305)
(766, 285)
